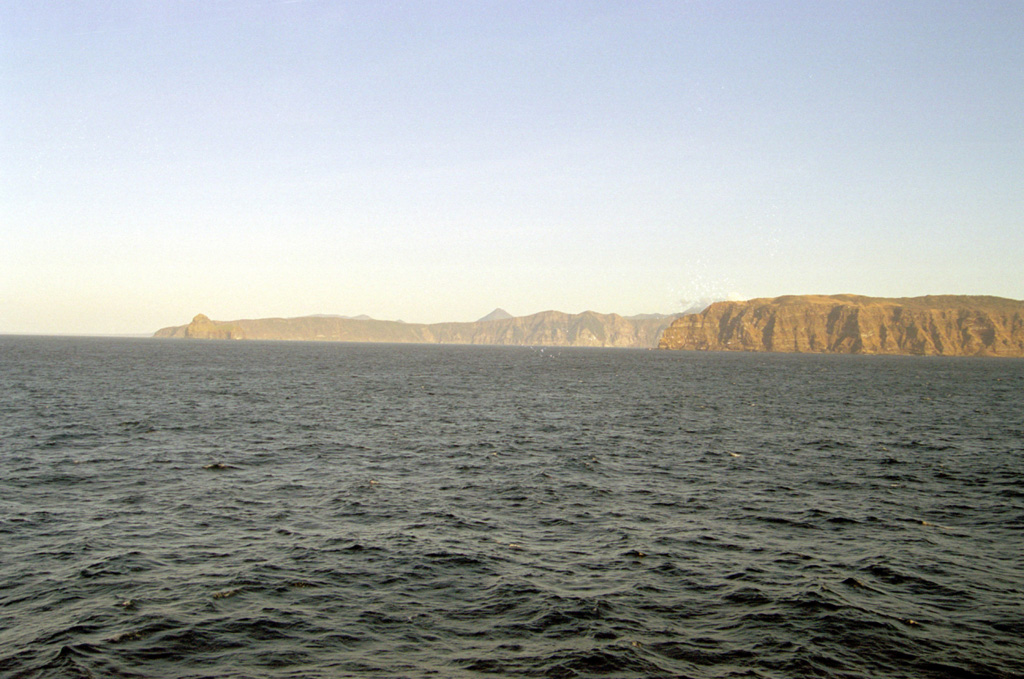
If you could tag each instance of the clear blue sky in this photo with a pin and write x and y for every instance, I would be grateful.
(429, 161)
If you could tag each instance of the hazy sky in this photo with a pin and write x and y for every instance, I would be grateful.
(430, 161)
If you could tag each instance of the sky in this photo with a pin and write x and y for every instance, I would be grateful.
(429, 161)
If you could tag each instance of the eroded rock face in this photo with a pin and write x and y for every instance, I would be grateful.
(941, 325)
(548, 328)
(202, 327)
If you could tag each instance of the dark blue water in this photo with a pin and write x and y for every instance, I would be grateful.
(214, 509)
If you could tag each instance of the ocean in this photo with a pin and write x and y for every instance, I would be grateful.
(253, 509)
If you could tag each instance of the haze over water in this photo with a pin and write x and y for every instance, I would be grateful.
(429, 161)
(213, 509)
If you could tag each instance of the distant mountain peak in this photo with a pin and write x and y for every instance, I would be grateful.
(498, 314)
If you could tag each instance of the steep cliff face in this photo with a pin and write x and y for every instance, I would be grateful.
(548, 328)
(945, 325)
(554, 328)
(202, 326)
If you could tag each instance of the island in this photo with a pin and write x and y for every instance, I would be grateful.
(548, 328)
(934, 325)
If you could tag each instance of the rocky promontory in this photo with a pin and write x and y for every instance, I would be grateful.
(935, 325)
(548, 328)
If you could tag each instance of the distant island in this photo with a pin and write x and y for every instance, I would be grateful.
(548, 328)
(935, 325)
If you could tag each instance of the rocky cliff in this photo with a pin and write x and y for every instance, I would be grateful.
(548, 328)
(945, 325)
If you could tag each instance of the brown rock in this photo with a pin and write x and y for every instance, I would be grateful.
(940, 325)
(548, 328)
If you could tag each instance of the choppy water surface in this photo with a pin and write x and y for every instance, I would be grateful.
(207, 509)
